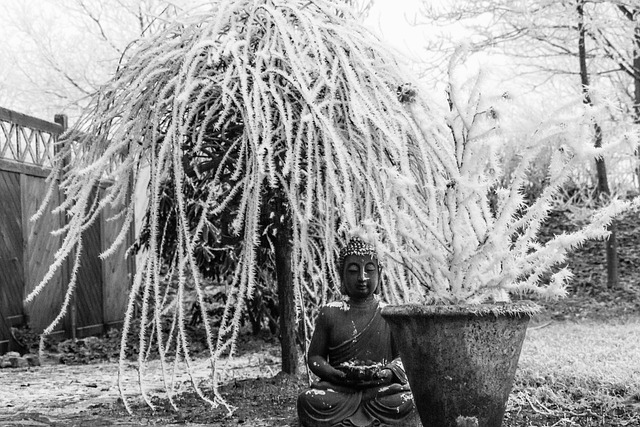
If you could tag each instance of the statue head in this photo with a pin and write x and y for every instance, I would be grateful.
(359, 269)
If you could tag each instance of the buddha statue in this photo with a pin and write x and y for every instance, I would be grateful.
(361, 378)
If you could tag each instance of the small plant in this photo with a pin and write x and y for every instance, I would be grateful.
(473, 236)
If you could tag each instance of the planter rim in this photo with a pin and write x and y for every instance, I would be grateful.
(517, 308)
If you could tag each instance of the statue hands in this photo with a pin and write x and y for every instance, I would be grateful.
(353, 374)
(383, 376)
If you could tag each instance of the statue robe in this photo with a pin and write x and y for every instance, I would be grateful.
(327, 404)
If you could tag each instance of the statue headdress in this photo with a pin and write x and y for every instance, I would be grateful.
(356, 246)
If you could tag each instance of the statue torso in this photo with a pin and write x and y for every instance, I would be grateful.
(357, 332)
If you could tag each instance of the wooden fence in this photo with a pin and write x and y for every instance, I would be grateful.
(27, 248)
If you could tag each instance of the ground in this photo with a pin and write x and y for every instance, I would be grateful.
(58, 394)
(87, 394)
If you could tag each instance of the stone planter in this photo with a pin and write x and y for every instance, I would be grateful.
(460, 360)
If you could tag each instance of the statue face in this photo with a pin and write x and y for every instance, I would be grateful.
(361, 276)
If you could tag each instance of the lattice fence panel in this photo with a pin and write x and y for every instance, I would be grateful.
(27, 147)
(27, 139)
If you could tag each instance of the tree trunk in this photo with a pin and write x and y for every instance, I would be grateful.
(636, 87)
(284, 276)
(601, 169)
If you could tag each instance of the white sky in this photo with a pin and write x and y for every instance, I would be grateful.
(392, 18)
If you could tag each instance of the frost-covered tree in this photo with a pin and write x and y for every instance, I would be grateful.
(296, 101)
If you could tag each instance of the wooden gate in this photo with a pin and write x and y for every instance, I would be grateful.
(27, 248)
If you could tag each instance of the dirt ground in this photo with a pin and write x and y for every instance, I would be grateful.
(55, 394)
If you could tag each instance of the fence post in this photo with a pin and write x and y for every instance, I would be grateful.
(71, 323)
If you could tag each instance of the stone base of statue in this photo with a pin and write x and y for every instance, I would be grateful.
(460, 360)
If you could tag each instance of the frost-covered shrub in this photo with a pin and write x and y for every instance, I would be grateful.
(483, 243)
